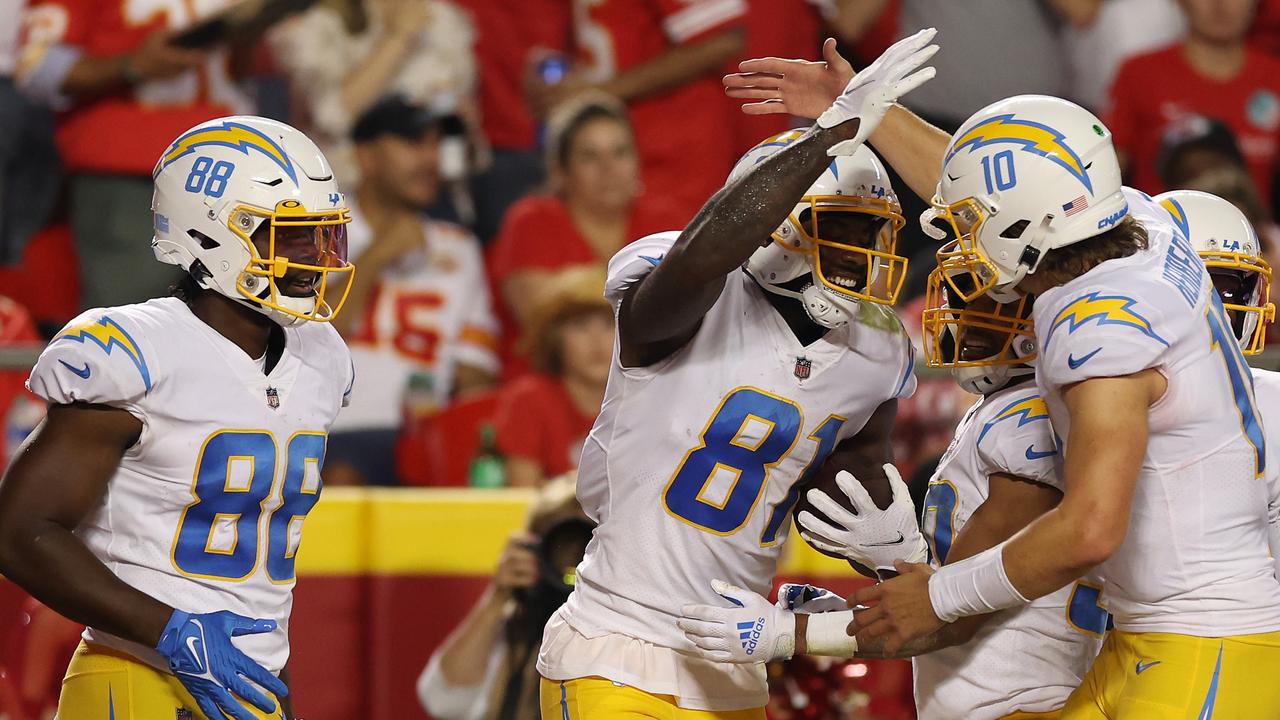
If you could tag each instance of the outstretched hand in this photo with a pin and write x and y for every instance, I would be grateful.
(795, 87)
(899, 609)
(870, 94)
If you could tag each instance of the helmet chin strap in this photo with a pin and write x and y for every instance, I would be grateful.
(986, 379)
(827, 308)
(303, 305)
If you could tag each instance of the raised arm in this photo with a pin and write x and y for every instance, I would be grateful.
(660, 313)
(663, 310)
(913, 147)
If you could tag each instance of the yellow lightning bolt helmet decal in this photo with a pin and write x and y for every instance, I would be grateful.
(1034, 137)
(1107, 310)
(108, 335)
(1027, 410)
(1178, 214)
(237, 136)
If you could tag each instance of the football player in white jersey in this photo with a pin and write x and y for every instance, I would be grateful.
(730, 389)
(1141, 373)
(161, 502)
(1226, 241)
(1163, 451)
(996, 477)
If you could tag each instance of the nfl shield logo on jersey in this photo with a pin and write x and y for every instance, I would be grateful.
(273, 398)
(804, 368)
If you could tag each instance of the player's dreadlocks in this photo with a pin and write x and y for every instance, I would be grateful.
(186, 289)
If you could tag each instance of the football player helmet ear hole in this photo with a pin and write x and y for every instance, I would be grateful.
(984, 343)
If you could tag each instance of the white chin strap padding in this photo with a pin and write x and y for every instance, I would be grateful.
(826, 309)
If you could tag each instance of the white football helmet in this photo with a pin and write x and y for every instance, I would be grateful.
(985, 344)
(221, 183)
(1226, 241)
(1024, 176)
(792, 265)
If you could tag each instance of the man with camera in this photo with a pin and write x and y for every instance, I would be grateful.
(485, 669)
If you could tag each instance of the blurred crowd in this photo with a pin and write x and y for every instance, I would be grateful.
(496, 154)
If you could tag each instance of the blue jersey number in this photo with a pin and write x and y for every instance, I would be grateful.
(997, 170)
(940, 502)
(219, 533)
(725, 450)
(825, 437)
(1084, 610)
(1241, 381)
(209, 177)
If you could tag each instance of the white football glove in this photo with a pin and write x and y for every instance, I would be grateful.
(809, 599)
(869, 536)
(871, 93)
(752, 631)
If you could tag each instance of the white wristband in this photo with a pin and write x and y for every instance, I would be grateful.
(828, 634)
(973, 586)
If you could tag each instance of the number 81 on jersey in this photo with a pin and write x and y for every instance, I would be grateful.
(728, 446)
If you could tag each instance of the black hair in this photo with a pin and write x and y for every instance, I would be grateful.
(566, 125)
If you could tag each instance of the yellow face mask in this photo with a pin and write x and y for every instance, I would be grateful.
(969, 273)
(874, 274)
(298, 263)
(980, 332)
(1244, 284)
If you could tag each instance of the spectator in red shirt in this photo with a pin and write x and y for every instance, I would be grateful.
(592, 212)
(1211, 73)
(542, 419)
(20, 411)
(663, 58)
(125, 90)
(509, 37)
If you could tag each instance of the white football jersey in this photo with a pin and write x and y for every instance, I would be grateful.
(429, 313)
(691, 473)
(1266, 389)
(205, 511)
(1027, 658)
(1195, 558)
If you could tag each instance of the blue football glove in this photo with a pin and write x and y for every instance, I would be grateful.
(200, 653)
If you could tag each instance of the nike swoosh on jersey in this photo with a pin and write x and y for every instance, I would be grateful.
(653, 260)
(1033, 454)
(1142, 667)
(899, 541)
(82, 372)
(1074, 363)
